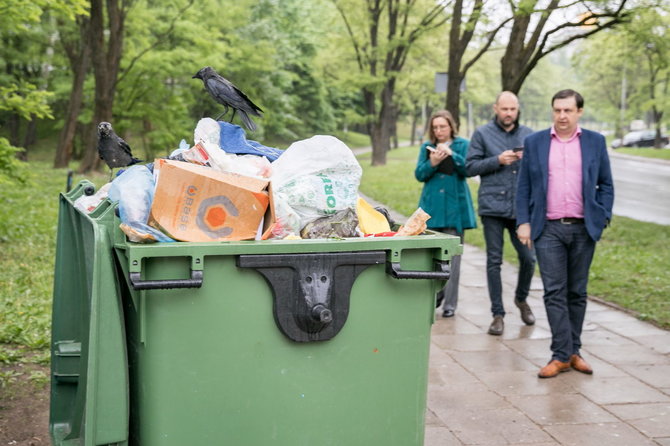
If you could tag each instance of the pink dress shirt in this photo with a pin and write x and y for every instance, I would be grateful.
(564, 186)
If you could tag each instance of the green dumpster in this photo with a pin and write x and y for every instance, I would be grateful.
(307, 342)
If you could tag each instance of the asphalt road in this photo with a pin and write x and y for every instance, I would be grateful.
(641, 188)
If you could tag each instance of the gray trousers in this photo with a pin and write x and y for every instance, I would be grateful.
(449, 294)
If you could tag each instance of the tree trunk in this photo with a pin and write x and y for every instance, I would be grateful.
(30, 137)
(454, 91)
(79, 62)
(456, 51)
(106, 62)
(415, 123)
(14, 126)
(381, 126)
(394, 126)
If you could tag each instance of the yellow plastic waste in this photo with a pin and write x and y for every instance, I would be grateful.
(370, 220)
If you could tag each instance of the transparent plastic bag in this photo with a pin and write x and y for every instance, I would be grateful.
(317, 177)
(134, 191)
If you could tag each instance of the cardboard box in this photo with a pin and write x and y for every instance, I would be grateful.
(198, 204)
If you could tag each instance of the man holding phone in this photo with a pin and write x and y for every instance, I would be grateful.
(495, 151)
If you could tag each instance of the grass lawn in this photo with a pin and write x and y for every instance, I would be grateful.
(663, 154)
(631, 261)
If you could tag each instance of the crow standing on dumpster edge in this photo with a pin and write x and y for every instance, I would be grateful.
(113, 149)
(228, 95)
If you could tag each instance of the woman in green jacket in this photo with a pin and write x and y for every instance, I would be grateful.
(445, 196)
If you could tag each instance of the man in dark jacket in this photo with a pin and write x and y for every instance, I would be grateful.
(494, 155)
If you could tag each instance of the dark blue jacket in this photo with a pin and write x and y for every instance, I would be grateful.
(597, 186)
(497, 183)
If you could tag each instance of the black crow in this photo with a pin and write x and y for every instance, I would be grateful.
(113, 149)
(228, 95)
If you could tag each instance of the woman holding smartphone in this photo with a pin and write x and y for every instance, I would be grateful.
(445, 196)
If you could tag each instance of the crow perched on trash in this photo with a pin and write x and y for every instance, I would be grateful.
(113, 149)
(228, 95)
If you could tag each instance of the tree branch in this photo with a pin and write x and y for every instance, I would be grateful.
(158, 41)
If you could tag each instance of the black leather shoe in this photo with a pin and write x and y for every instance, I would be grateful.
(527, 315)
(497, 326)
(448, 313)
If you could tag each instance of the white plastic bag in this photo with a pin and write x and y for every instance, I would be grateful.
(317, 177)
(87, 203)
(207, 130)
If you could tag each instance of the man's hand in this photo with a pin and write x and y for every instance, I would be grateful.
(508, 157)
(523, 234)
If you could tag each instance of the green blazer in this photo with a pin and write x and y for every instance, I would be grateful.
(446, 198)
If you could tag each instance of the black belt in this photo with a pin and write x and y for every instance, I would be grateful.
(569, 220)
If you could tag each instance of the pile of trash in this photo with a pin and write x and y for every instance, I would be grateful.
(227, 188)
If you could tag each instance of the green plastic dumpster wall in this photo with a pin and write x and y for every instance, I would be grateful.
(230, 359)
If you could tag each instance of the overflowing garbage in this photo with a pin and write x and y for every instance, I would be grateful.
(227, 188)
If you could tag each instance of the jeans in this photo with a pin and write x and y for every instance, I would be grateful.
(564, 253)
(494, 232)
(449, 294)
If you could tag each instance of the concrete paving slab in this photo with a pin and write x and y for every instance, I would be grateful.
(440, 436)
(652, 420)
(560, 408)
(514, 384)
(632, 327)
(469, 342)
(496, 427)
(609, 434)
(620, 390)
(628, 354)
(658, 343)
(655, 375)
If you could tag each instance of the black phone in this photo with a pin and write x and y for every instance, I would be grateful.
(517, 149)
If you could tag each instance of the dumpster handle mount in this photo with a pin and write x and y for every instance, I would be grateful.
(194, 282)
(311, 290)
(442, 271)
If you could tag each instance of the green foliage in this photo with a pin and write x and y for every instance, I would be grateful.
(631, 261)
(25, 100)
(633, 60)
(25, 33)
(11, 169)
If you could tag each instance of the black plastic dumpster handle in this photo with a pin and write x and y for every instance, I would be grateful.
(194, 282)
(442, 271)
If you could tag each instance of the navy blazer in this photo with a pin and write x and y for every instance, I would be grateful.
(597, 186)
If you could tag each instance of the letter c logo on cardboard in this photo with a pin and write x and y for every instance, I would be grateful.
(212, 214)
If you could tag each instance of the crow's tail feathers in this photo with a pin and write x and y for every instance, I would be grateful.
(247, 120)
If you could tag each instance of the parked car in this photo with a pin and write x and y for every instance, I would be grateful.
(642, 138)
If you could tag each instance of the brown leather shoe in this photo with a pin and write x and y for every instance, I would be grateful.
(553, 368)
(527, 315)
(497, 326)
(578, 363)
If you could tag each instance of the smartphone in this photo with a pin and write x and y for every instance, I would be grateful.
(432, 149)
(517, 149)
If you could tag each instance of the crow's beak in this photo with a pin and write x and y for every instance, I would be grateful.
(195, 76)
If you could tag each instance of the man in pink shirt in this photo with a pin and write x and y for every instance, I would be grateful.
(564, 201)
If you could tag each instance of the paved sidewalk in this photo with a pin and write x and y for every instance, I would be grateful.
(484, 390)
